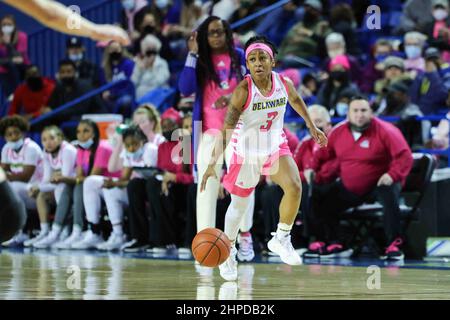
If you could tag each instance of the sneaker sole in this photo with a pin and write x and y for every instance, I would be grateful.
(270, 246)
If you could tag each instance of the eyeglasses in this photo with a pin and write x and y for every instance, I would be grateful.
(216, 32)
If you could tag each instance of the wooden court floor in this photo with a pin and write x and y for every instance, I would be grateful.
(85, 275)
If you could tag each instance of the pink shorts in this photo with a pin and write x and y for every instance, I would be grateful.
(242, 177)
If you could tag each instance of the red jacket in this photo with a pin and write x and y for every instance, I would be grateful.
(304, 155)
(380, 149)
(26, 101)
(292, 139)
(173, 164)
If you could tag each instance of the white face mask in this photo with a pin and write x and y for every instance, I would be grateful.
(342, 109)
(161, 3)
(135, 155)
(87, 144)
(76, 57)
(15, 145)
(335, 52)
(440, 14)
(412, 51)
(7, 29)
(128, 4)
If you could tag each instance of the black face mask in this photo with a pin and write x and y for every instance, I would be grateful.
(115, 56)
(393, 103)
(149, 30)
(168, 134)
(341, 76)
(35, 83)
(359, 129)
(309, 18)
(69, 81)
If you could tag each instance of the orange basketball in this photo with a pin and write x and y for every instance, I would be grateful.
(211, 247)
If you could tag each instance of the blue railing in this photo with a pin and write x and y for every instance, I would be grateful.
(259, 13)
(443, 152)
(47, 47)
(76, 101)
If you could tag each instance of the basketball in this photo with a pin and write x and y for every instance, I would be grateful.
(211, 247)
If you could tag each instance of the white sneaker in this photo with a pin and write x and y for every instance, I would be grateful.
(284, 249)
(40, 236)
(115, 241)
(16, 241)
(48, 241)
(67, 243)
(245, 252)
(184, 252)
(89, 241)
(228, 269)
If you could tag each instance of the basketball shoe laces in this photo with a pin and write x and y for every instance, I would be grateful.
(285, 242)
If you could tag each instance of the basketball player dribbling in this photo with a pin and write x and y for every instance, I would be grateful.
(258, 146)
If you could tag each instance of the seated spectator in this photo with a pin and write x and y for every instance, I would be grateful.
(416, 14)
(21, 159)
(304, 38)
(428, 90)
(86, 70)
(151, 71)
(398, 104)
(394, 70)
(309, 88)
(190, 15)
(339, 80)
(118, 65)
(59, 171)
(31, 97)
(437, 30)
(434, 55)
(13, 54)
(130, 15)
(69, 88)
(414, 43)
(246, 8)
(363, 146)
(373, 71)
(150, 23)
(342, 20)
(343, 100)
(440, 135)
(336, 46)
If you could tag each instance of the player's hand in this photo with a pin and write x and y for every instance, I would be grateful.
(319, 137)
(33, 192)
(385, 180)
(210, 172)
(107, 32)
(222, 192)
(108, 183)
(308, 173)
(192, 42)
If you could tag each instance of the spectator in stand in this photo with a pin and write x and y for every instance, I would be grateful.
(433, 55)
(151, 24)
(31, 97)
(305, 37)
(338, 81)
(335, 46)
(414, 43)
(437, 30)
(363, 146)
(118, 65)
(373, 71)
(416, 14)
(13, 54)
(394, 70)
(86, 70)
(69, 88)
(132, 11)
(342, 20)
(309, 88)
(428, 89)
(246, 8)
(151, 71)
(398, 104)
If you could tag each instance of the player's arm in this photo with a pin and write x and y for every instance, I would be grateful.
(23, 176)
(299, 106)
(235, 109)
(58, 17)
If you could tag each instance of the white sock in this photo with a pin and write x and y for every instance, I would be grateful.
(117, 229)
(76, 229)
(56, 228)
(44, 227)
(283, 230)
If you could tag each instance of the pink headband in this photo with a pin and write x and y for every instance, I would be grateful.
(261, 46)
